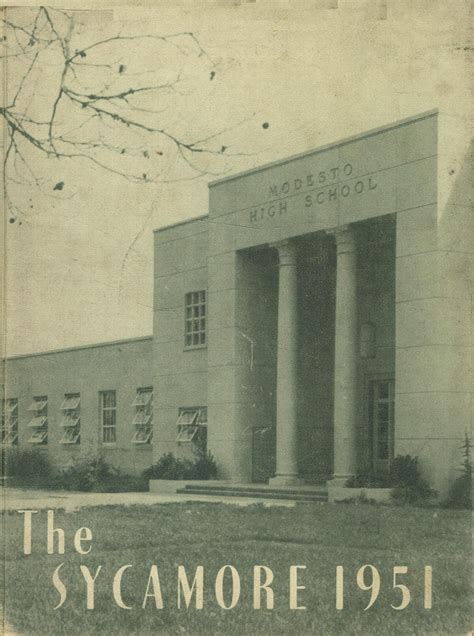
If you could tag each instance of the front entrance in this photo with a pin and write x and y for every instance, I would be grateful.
(381, 404)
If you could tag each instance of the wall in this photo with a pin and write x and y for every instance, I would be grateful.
(256, 352)
(179, 375)
(316, 307)
(434, 313)
(376, 305)
(382, 173)
(123, 366)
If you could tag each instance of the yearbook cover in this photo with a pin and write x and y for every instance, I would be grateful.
(236, 317)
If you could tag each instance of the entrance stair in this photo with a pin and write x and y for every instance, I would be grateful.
(307, 493)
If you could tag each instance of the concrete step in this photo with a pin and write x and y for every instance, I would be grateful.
(254, 493)
(251, 488)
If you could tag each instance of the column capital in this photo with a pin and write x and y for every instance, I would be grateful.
(286, 252)
(345, 238)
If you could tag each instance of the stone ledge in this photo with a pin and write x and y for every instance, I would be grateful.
(343, 493)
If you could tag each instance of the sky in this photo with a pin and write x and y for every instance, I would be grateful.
(288, 77)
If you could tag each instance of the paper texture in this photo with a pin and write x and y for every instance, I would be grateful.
(116, 118)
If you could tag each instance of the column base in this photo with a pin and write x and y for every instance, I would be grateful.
(285, 480)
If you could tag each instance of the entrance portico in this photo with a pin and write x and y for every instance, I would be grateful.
(307, 265)
(345, 372)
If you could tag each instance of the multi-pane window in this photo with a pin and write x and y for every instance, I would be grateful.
(195, 319)
(190, 420)
(142, 422)
(9, 415)
(71, 419)
(39, 422)
(108, 416)
(381, 407)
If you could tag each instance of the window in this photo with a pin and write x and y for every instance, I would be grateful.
(108, 410)
(190, 420)
(71, 419)
(142, 422)
(381, 414)
(39, 422)
(9, 415)
(195, 319)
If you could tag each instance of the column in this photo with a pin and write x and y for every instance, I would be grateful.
(286, 428)
(345, 363)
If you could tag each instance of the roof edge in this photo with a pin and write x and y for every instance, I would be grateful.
(171, 225)
(314, 151)
(93, 345)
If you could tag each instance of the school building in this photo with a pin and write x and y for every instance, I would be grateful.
(315, 324)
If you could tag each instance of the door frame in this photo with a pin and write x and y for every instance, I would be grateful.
(371, 380)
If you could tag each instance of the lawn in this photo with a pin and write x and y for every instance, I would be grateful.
(318, 536)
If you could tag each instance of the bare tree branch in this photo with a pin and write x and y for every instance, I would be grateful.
(75, 100)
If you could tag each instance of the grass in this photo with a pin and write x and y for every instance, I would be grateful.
(191, 534)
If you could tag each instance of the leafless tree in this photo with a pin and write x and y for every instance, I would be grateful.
(110, 101)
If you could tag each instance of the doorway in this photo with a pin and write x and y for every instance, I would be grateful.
(381, 406)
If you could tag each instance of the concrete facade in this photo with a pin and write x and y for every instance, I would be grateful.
(316, 323)
(122, 366)
(338, 292)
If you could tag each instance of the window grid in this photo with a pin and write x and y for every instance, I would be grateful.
(195, 319)
(108, 408)
(190, 419)
(39, 422)
(71, 420)
(142, 422)
(383, 418)
(9, 423)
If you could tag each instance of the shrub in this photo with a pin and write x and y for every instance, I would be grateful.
(460, 493)
(29, 468)
(408, 484)
(403, 477)
(97, 475)
(369, 479)
(205, 466)
(170, 467)
(86, 474)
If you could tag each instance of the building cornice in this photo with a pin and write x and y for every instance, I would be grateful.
(79, 347)
(319, 149)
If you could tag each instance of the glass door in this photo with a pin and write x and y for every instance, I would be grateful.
(381, 421)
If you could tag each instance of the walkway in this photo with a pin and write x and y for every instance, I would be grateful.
(20, 499)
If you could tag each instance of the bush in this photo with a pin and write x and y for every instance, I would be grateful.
(460, 494)
(403, 477)
(369, 479)
(408, 484)
(171, 467)
(86, 474)
(205, 466)
(29, 468)
(97, 475)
